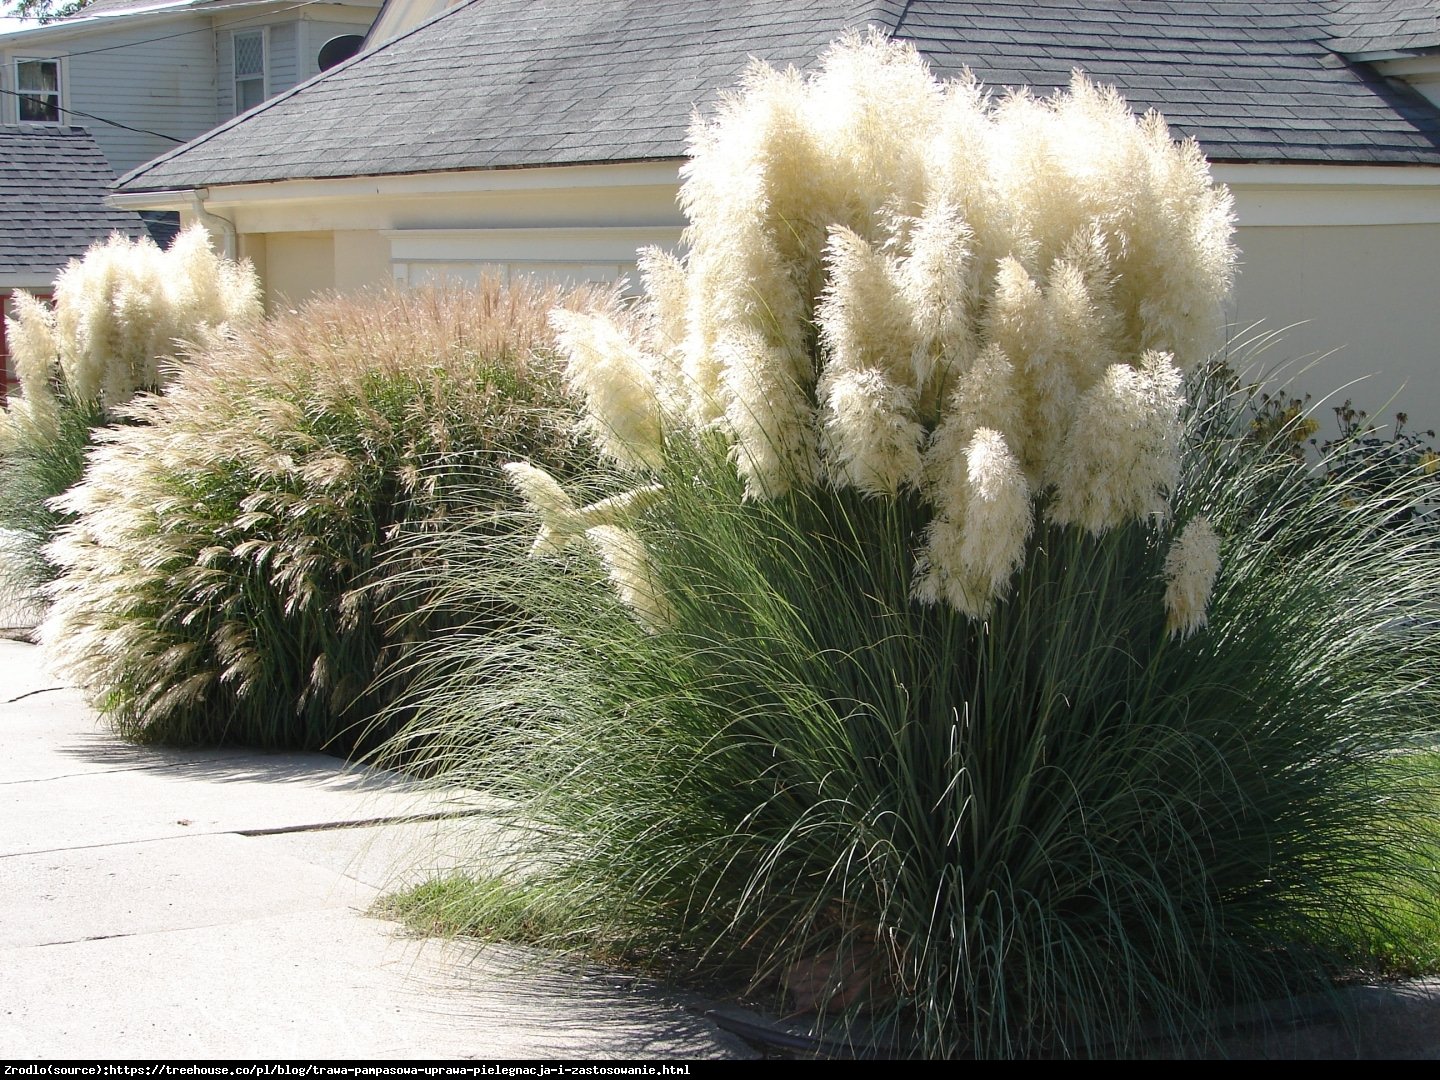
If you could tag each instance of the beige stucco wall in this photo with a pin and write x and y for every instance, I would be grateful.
(291, 265)
(309, 236)
(361, 258)
(1357, 304)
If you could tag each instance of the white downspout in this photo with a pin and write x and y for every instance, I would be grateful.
(229, 243)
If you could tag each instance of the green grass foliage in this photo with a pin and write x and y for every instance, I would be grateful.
(37, 463)
(220, 579)
(1057, 831)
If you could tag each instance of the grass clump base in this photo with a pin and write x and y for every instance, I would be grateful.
(492, 908)
(40, 458)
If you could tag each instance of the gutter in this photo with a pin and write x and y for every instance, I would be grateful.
(181, 199)
(228, 245)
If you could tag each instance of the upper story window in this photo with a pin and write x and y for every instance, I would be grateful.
(38, 83)
(249, 69)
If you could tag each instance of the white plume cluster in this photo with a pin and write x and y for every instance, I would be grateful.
(1191, 566)
(895, 283)
(119, 311)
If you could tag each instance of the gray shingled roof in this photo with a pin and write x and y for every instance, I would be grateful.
(102, 7)
(1383, 26)
(517, 83)
(53, 183)
(115, 7)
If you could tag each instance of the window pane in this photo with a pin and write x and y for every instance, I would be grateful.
(39, 76)
(39, 84)
(35, 110)
(248, 94)
(249, 54)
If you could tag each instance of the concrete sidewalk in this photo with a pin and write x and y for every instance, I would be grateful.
(204, 904)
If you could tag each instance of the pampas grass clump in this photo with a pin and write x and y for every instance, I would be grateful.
(900, 287)
(121, 317)
(739, 751)
(922, 668)
(122, 310)
(220, 579)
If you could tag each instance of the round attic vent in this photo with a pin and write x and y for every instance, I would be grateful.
(338, 49)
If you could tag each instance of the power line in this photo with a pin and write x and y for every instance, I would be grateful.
(146, 41)
(182, 33)
(89, 116)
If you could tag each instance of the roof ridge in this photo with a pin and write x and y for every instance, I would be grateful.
(888, 14)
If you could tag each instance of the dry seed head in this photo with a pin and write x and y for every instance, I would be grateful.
(976, 544)
(870, 439)
(627, 560)
(617, 380)
(124, 309)
(1121, 456)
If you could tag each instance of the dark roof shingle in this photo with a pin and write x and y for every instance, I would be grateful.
(1379, 26)
(53, 183)
(519, 83)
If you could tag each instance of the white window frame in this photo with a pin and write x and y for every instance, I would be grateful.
(263, 32)
(59, 91)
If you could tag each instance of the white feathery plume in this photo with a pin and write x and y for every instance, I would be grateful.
(893, 281)
(627, 560)
(939, 280)
(871, 439)
(769, 415)
(864, 316)
(1121, 455)
(973, 549)
(1191, 566)
(560, 521)
(33, 348)
(870, 435)
(666, 300)
(616, 379)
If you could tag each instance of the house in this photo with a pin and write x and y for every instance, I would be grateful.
(147, 75)
(545, 135)
(53, 186)
(86, 98)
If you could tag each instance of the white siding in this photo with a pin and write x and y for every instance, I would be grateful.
(291, 48)
(225, 62)
(224, 75)
(171, 77)
(280, 63)
(164, 86)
